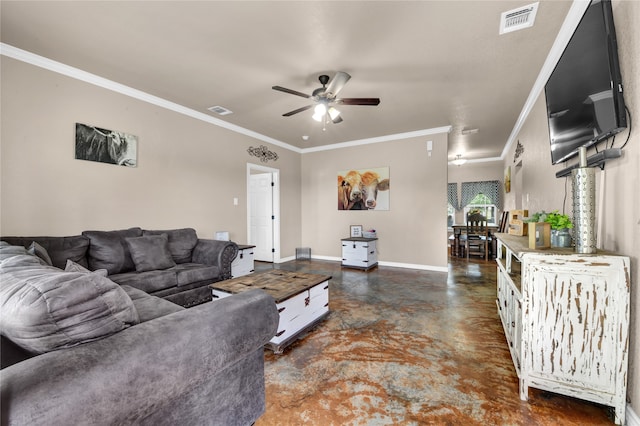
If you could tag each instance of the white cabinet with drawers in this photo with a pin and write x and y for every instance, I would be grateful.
(359, 253)
(566, 320)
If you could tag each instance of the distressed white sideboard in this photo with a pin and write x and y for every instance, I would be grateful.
(566, 320)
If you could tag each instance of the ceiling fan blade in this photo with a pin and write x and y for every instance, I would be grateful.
(337, 83)
(358, 101)
(295, 111)
(292, 92)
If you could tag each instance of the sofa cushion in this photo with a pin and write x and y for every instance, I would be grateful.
(188, 273)
(108, 250)
(60, 249)
(150, 252)
(74, 267)
(150, 307)
(181, 242)
(37, 250)
(43, 308)
(149, 282)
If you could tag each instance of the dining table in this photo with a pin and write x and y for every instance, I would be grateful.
(459, 230)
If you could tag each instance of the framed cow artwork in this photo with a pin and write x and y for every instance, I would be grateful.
(106, 146)
(363, 189)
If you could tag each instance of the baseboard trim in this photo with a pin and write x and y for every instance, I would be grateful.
(632, 418)
(392, 264)
(415, 266)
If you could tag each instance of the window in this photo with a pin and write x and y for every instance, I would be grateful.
(482, 204)
(452, 205)
(451, 214)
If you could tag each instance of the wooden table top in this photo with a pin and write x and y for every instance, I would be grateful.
(280, 284)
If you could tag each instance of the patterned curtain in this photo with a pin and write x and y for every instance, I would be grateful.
(452, 195)
(490, 188)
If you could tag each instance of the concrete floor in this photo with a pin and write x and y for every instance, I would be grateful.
(408, 347)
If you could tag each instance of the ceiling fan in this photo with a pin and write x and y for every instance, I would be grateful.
(326, 96)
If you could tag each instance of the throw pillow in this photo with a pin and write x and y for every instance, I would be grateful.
(74, 267)
(37, 250)
(181, 242)
(108, 250)
(150, 253)
(45, 308)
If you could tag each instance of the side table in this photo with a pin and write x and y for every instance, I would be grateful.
(243, 263)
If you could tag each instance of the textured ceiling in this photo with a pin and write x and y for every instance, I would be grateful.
(432, 63)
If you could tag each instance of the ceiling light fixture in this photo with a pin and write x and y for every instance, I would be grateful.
(319, 111)
(333, 113)
(459, 161)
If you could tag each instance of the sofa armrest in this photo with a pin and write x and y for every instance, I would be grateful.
(137, 371)
(216, 253)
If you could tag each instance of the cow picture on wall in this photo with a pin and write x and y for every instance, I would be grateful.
(363, 189)
(106, 146)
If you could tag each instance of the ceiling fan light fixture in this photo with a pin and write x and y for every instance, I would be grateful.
(333, 113)
(320, 109)
(459, 161)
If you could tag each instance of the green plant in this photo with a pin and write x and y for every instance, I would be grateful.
(558, 221)
(555, 219)
(537, 217)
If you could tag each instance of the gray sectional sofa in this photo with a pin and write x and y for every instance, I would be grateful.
(79, 349)
(173, 264)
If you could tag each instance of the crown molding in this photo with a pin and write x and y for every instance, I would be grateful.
(78, 74)
(378, 139)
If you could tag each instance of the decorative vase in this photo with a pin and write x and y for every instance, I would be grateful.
(563, 237)
(554, 238)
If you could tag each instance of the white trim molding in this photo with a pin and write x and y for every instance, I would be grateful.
(378, 139)
(392, 264)
(69, 71)
(96, 80)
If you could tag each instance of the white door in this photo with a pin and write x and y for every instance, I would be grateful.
(263, 212)
(261, 216)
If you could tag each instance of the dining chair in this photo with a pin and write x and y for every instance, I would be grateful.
(477, 240)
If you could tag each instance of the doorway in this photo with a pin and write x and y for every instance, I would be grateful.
(263, 212)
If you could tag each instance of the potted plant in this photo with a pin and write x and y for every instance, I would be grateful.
(560, 225)
(558, 221)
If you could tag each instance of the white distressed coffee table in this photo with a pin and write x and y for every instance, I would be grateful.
(302, 300)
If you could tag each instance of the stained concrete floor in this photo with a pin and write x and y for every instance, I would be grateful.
(408, 347)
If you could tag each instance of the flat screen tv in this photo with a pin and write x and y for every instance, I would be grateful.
(584, 92)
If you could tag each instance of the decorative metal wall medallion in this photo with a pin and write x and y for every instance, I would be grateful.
(519, 151)
(262, 153)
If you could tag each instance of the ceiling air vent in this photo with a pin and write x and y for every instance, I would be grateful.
(220, 110)
(517, 19)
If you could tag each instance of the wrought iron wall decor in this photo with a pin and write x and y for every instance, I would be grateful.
(263, 153)
(519, 151)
